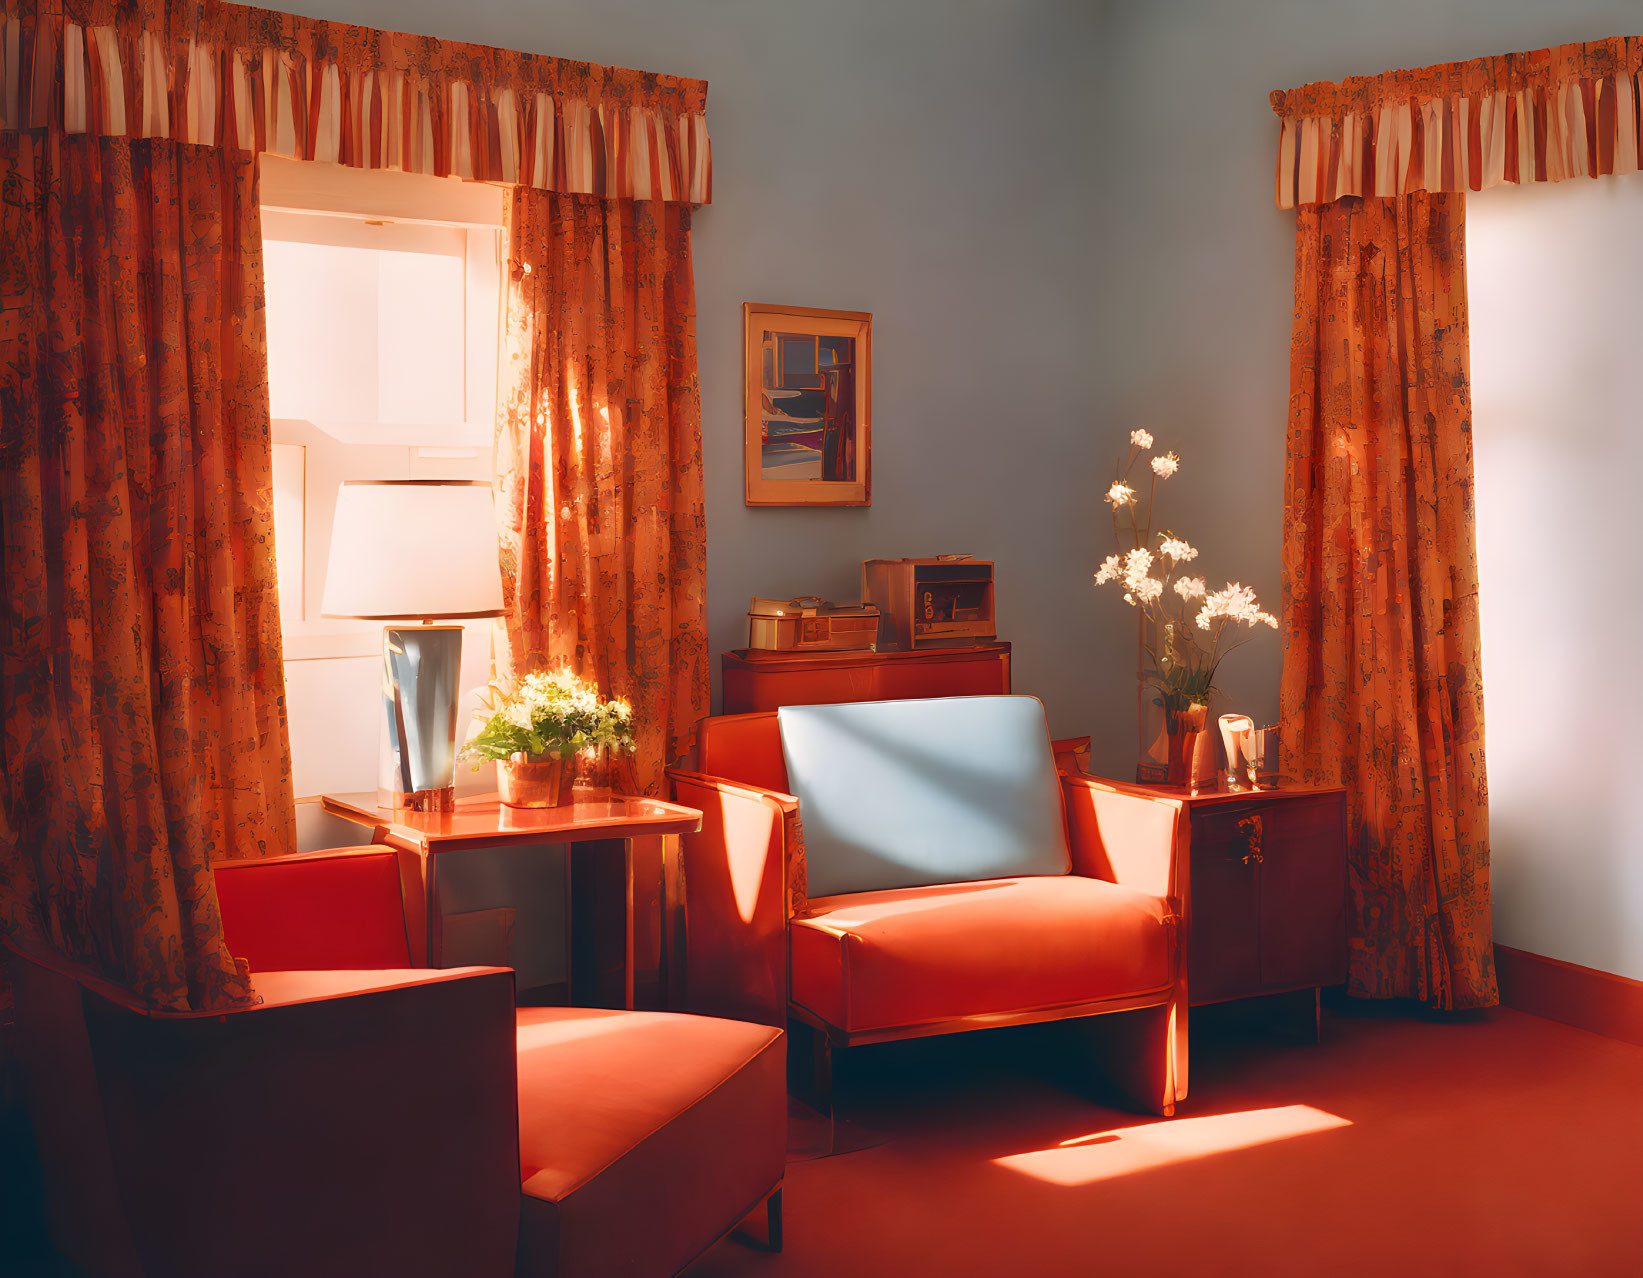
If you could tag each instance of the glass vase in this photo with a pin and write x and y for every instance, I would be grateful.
(1152, 760)
(604, 772)
(1175, 748)
(1152, 746)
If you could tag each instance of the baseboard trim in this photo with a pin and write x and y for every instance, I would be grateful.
(1580, 996)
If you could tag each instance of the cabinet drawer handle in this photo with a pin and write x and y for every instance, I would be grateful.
(1250, 828)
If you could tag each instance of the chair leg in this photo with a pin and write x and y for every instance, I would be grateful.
(773, 1220)
(1142, 1054)
(772, 1225)
(810, 1066)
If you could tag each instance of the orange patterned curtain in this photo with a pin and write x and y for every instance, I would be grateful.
(1382, 682)
(256, 80)
(144, 727)
(1572, 111)
(599, 459)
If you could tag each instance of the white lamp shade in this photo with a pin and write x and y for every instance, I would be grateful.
(413, 550)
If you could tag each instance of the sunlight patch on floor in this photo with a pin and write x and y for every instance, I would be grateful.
(1123, 1150)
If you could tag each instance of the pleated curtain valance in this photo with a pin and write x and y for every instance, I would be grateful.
(1544, 116)
(232, 76)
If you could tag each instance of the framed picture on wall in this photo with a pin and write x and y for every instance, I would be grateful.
(807, 382)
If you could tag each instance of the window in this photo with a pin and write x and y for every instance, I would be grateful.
(1553, 273)
(383, 306)
(368, 328)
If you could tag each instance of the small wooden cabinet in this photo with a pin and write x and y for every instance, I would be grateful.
(1268, 907)
(931, 603)
(1266, 913)
(758, 680)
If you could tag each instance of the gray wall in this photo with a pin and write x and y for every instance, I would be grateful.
(932, 164)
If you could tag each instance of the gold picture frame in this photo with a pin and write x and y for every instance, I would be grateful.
(807, 395)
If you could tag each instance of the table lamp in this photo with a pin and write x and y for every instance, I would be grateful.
(415, 550)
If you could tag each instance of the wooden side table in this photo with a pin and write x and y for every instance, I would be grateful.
(1266, 909)
(755, 679)
(632, 829)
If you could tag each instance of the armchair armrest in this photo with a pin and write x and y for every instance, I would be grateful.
(1138, 840)
(736, 893)
(1072, 754)
(371, 1114)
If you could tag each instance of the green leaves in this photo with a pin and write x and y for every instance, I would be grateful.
(550, 714)
(1181, 671)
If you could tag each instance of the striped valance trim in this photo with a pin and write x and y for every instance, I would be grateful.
(1545, 116)
(226, 75)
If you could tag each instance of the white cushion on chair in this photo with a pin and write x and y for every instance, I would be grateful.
(897, 794)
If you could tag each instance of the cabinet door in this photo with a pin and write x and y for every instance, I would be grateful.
(1224, 944)
(1303, 893)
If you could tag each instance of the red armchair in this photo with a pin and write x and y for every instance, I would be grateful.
(1101, 932)
(372, 1118)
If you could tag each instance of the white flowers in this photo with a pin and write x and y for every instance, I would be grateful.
(557, 693)
(1137, 564)
(1184, 635)
(549, 713)
(1235, 603)
(1133, 568)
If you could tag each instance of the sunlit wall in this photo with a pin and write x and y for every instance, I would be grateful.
(1556, 285)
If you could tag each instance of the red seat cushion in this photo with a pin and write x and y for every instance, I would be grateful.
(643, 1136)
(882, 960)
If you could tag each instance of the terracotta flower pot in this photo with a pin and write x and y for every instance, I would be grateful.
(526, 781)
(1186, 733)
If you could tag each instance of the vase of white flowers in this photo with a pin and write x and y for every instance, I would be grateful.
(534, 729)
(1184, 629)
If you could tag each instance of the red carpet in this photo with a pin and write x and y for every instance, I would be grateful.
(1501, 1145)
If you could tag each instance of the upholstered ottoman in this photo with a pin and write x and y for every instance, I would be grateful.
(644, 1137)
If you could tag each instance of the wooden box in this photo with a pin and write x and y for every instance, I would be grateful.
(811, 625)
(945, 602)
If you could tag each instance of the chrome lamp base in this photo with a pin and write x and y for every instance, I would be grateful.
(421, 671)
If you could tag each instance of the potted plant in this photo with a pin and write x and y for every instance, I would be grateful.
(535, 728)
(1185, 628)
